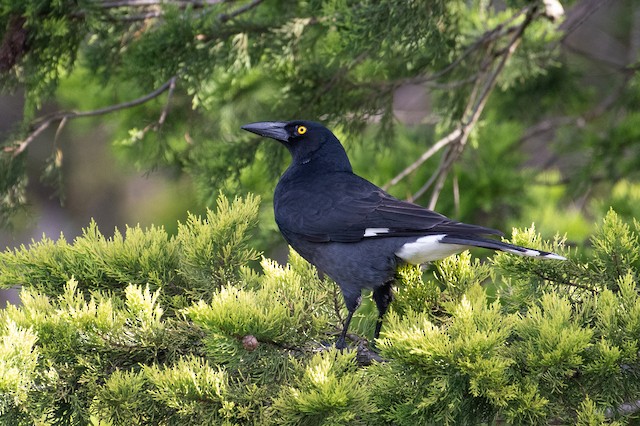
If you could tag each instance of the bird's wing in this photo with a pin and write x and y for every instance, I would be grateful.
(347, 208)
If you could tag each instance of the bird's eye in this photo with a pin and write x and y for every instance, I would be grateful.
(301, 130)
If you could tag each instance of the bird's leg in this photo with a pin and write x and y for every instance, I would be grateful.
(352, 305)
(383, 296)
(341, 342)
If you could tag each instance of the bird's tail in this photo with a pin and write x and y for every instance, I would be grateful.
(499, 245)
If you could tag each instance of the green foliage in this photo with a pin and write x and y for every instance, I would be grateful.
(483, 362)
(287, 314)
(444, 285)
(338, 61)
(615, 256)
(416, 293)
(68, 356)
(589, 415)
(204, 255)
(559, 343)
(19, 367)
(13, 184)
(615, 247)
(329, 390)
(212, 249)
(459, 372)
(145, 327)
(556, 343)
(190, 392)
(51, 38)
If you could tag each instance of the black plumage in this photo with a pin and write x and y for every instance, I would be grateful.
(352, 230)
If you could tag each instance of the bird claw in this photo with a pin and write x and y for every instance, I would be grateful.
(366, 353)
(366, 356)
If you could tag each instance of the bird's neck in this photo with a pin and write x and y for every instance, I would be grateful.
(329, 157)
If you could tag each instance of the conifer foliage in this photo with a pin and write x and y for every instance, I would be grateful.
(135, 330)
(171, 82)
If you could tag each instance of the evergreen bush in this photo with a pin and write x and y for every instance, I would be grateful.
(144, 328)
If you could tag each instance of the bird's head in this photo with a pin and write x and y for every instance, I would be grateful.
(307, 141)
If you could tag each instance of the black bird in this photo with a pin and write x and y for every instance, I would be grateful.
(352, 230)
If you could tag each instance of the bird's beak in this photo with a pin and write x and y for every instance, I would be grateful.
(269, 129)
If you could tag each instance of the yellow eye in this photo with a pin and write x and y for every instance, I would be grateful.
(302, 130)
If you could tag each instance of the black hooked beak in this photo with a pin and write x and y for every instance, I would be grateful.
(269, 129)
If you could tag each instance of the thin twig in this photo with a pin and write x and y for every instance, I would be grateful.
(21, 146)
(578, 15)
(156, 126)
(424, 157)
(45, 122)
(146, 3)
(157, 13)
(424, 188)
(165, 110)
(474, 112)
(141, 16)
(447, 160)
(489, 36)
(456, 195)
(456, 135)
(450, 155)
(566, 282)
(227, 16)
(63, 122)
(42, 124)
(441, 175)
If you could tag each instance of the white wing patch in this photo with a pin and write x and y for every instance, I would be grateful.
(430, 248)
(524, 252)
(374, 232)
(427, 249)
(554, 256)
(535, 253)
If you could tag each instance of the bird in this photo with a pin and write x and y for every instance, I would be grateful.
(353, 231)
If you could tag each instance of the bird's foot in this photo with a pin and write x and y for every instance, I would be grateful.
(367, 355)
(366, 352)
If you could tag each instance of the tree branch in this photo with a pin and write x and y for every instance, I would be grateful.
(566, 282)
(165, 110)
(489, 36)
(457, 139)
(42, 124)
(155, 12)
(227, 16)
(424, 157)
(475, 106)
(146, 3)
